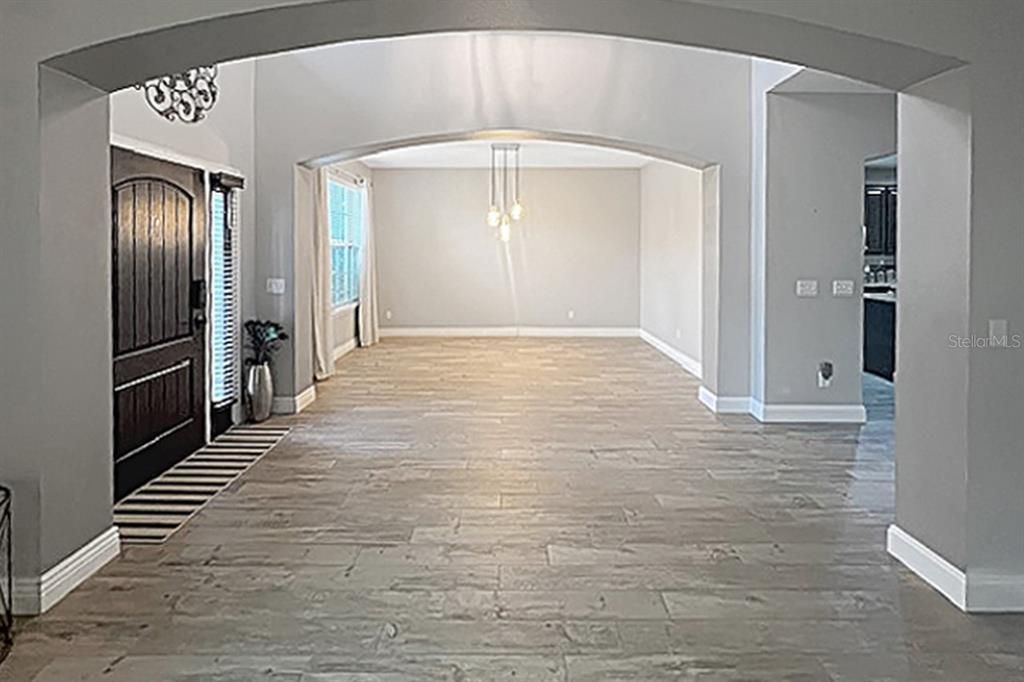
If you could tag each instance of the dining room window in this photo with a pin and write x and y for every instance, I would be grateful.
(346, 208)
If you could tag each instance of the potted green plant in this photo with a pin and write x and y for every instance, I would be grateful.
(264, 338)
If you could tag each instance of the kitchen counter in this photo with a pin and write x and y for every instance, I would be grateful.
(889, 297)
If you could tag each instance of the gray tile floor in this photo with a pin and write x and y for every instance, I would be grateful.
(525, 509)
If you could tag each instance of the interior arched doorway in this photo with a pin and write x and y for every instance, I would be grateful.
(489, 85)
(117, 56)
(498, 135)
(50, 198)
(702, 175)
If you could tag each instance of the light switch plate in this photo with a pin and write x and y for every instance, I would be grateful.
(807, 288)
(842, 287)
(275, 285)
(998, 332)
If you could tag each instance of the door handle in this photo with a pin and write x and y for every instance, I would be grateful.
(197, 294)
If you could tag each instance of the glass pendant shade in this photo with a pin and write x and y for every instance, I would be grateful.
(504, 206)
(493, 216)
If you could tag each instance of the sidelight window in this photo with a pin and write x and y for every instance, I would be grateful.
(224, 327)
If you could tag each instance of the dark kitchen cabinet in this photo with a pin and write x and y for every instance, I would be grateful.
(880, 337)
(880, 220)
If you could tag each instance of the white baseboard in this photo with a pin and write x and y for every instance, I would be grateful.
(993, 593)
(807, 414)
(387, 332)
(949, 580)
(973, 591)
(344, 349)
(289, 404)
(33, 596)
(580, 332)
(26, 597)
(679, 357)
(564, 332)
(723, 405)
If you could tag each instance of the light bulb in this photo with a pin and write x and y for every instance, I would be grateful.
(517, 211)
(505, 231)
(493, 216)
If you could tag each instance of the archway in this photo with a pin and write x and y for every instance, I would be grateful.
(689, 106)
(676, 332)
(71, 118)
(164, 40)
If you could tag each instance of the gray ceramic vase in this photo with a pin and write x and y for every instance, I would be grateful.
(259, 392)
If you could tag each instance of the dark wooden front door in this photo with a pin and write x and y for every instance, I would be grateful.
(159, 273)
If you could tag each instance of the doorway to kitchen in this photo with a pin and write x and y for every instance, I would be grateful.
(880, 284)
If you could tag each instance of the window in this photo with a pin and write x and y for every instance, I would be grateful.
(346, 210)
(223, 274)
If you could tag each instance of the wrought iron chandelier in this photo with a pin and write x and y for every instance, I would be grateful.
(505, 206)
(185, 96)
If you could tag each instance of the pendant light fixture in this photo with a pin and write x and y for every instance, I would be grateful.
(505, 206)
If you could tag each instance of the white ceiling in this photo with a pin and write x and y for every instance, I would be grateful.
(533, 154)
(812, 81)
(887, 162)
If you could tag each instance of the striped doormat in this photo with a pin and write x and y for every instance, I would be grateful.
(155, 511)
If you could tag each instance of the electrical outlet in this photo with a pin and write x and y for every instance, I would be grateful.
(842, 288)
(572, 314)
(275, 286)
(679, 333)
(825, 373)
(807, 288)
(387, 314)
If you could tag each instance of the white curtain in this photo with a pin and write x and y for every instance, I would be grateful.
(369, 323)
(323, 328)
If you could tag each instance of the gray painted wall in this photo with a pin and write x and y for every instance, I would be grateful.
(298, 364)
(816, 147)
(671, 227)
(764, 75)
(932, 375)
(344, 325)
(710, 356)
(224, 138)
(995, 472)
(577, 248)
(73, 349)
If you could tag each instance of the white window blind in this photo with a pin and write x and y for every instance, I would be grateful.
(224, 326)
(347, 213)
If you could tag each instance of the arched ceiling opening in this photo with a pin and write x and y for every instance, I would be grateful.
(285, 25)
(547, 149)
(340, 102)
(476, 154)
